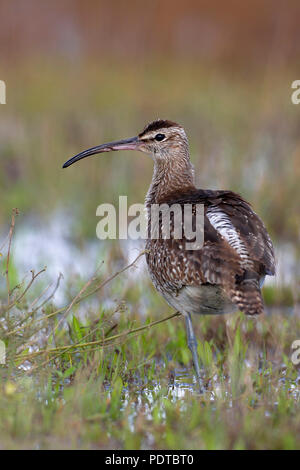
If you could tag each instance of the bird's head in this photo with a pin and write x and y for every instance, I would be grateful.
(161, 139)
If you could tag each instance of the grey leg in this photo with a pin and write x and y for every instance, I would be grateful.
(192, 344)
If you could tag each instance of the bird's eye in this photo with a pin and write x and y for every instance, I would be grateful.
(159, 137)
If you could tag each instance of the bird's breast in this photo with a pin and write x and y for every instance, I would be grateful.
(180, 283)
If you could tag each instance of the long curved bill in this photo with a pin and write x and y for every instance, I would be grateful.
(126, 144)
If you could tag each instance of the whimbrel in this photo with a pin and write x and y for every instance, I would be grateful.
(226, 273)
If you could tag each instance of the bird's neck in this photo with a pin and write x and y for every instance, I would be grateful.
(171, 175)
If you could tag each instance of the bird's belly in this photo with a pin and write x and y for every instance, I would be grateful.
(180, 284)
(203, 300)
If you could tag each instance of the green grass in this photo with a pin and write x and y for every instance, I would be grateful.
(113, 380)
(124, 396)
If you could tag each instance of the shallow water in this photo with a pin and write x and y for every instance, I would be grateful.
(38, 243)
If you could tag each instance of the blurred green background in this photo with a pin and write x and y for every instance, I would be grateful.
(79, 74)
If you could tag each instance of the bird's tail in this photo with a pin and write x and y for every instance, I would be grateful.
(246, 293)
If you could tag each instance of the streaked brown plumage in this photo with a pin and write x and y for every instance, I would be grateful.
(227, 272)
(218, 263)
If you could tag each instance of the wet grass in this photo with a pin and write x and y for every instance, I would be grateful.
(86, 376)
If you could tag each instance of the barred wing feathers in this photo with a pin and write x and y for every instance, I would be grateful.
(237, 251)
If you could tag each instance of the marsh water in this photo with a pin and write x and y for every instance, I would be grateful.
(51, 242)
